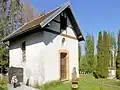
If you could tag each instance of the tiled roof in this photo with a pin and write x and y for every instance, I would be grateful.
(43, 20)
(30, 25)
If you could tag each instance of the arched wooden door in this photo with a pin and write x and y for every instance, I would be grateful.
(64, 65)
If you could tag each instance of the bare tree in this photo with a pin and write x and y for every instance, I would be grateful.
(30, 12)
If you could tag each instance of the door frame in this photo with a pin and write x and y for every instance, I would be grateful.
(67, 64)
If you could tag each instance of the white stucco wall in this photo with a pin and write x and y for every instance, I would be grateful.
(52, 64)
(34, 56)
(42, 56)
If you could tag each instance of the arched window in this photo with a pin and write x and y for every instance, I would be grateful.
(63, 41)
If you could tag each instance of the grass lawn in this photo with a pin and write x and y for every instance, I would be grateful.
(88, 82)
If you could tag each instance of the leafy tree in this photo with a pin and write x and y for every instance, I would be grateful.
(99, 56)
(95, 63)
(79, 54)
(103, 54)
(3, 23)
(3, 59)
(106, 54)
(83, 65)
(90, 52)
(118, 59)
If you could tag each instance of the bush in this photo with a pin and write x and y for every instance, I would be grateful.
(3, 84)
(95, 75)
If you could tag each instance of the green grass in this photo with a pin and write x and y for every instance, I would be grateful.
(105, 81)
(92, 83)
(51, 84)
(64, 86)
(86, 82)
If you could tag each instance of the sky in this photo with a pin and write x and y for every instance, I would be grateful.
(92, 15)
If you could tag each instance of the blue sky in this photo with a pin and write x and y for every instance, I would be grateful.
(92, 15)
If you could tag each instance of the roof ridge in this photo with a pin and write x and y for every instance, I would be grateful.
(53, 9)
(38, 17)
(68, 2)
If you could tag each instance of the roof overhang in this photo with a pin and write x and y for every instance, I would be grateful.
(44, 20)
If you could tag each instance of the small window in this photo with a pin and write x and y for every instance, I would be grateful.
(63, 41)
(23, 51)
(63, 21)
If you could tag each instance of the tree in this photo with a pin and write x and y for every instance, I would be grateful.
(118, 59)
(112, 45)
(3, 23)
(30, 12)
(79, 54)
(3, 59)
(106, 54)
(90, 52)
(99, 56)
(3, 19)
(15, 16)
(83, 65)
(103, 55)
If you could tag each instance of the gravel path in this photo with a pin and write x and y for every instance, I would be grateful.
(23, 87)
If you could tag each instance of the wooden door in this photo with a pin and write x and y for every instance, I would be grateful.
(63, 65)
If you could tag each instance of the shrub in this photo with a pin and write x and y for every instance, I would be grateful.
(95, 75)
(3, 84)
